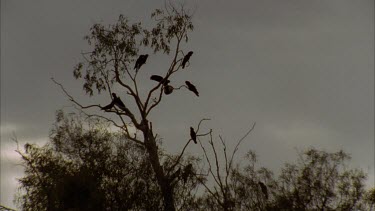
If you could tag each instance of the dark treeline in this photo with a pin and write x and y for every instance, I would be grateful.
(84, 166)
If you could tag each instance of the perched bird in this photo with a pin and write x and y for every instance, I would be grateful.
(118, 102)
(140, 61)
(109, 106)
(176, 173)
(158, 78)
(186, 59)
(188, 170)
(27, 147)
(192, 88)
(263, 187)
(193, 135)
(115, 101)
(168, 89)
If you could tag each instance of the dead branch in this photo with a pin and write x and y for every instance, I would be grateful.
(127, 111)
(238, 144)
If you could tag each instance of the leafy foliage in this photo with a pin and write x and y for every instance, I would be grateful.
(85, 166)
(116, 46)
(320, 181)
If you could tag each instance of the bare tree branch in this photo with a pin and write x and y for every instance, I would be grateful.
(127, 111)
(71, 98)
(238, 144)
(183, 150)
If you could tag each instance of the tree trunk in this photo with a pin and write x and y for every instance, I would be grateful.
(163, 180)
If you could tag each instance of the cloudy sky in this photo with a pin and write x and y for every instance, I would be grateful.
(303, 70)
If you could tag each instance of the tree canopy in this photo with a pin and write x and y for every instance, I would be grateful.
(85, 166)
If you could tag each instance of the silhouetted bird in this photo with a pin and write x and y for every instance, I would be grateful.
(109, 106)
(27, 147)
(176, 174)
(115, 101)
(193, 135)
(263, 187)
(118, 102)
(192, 88)
(158, 78)
(168, 89)
(186, 59)
(140, 61)
(188, 170)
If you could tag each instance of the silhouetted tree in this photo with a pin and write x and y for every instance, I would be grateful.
(108, 62)
(369, 201)
(87, 167)
(320, 181)
(233, 188)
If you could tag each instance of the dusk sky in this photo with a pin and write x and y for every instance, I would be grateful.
(303, 70)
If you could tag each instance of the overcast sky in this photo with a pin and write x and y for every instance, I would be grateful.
(303, 70)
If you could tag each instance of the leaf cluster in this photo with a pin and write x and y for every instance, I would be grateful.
(116, 46)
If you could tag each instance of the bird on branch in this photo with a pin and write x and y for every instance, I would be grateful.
(168, 89)
(193, 135)
(188, 170)
(192, 88)
(186, 59)
(176, 174)
(264, 189)
(118, 102)
(109, 106)
(27, 147)
(140, 61)
(115, 101)
(158, 78)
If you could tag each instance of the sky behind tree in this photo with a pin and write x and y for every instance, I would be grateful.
(302, 70)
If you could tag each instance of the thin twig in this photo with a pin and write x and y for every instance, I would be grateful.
(71, 98)
(238, 144)
(217, 166)
(208, 160)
